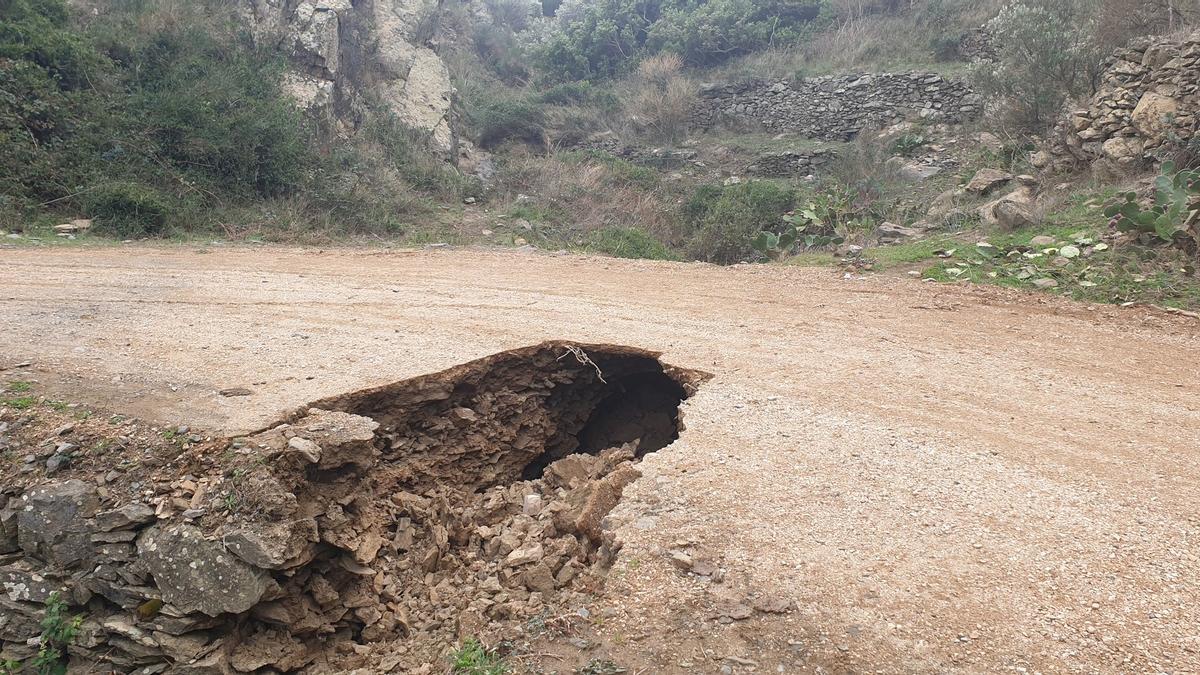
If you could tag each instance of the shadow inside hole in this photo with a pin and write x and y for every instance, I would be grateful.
(641, 405)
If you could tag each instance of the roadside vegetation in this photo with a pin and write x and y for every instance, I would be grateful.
(158, 118)
(162, 120)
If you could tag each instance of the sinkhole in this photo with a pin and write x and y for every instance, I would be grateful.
(506, 417)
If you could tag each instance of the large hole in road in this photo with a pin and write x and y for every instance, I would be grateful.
(506, 417)
(378, 527)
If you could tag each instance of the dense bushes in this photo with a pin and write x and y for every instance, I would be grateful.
(723, 221)
(126, 210)
(497, 120)
(135, 126)
(157, 116)
(607, 38)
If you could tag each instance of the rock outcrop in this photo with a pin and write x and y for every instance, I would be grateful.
(1146, 107)
(344, 54)
(836, 108)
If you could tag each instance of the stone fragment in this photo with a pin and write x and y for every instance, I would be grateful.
(129, 516)
(52, 523)
(197, 575)
(525, 555)
(275, 546)
(539, 578)
(986, 181)
(305, 449)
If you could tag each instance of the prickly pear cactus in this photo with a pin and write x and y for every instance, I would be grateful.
(1175, 215)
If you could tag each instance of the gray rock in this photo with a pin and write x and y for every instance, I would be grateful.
(305, 449)
(275, 545)
(129, 516)
(1012, 215)
(987, 181)
(57, 462)
(20, 582)
(53, 522)
(197, 575)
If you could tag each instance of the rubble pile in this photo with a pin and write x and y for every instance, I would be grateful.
(468, 497)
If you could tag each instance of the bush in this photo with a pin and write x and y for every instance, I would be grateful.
(724, 221)
(1045, 54)
(627, 242)
(608, 38)
(662, 98)
(127, 210)
(507, 119)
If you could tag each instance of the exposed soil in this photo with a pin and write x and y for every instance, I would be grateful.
(882, 475)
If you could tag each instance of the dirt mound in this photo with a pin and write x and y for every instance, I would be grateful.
(379, 527)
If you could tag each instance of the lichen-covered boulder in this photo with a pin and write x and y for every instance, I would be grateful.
(53, 525)
(198, 575)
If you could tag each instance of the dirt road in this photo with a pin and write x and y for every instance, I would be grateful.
(939, 478)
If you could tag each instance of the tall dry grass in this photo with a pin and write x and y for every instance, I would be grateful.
(659, 98)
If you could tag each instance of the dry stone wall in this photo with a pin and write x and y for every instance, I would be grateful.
(836, 108)
(1145, 108)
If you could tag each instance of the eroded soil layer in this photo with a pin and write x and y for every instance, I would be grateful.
(374, 529)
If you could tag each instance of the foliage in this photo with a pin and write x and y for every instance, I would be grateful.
(58, 630)
(127, 210)
(824, 219)
(908, 144)
(171, 115)
(472, 658)
(508, 118)
(662, 99)
(607, 38)
(946, 47)
(723, 222)
(1045, 54)
(1175, 215)
(158, 116)
(627, 242)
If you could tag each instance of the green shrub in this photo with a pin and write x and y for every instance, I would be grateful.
(946, 47)
(607, 38)
(1045, 54)
(472, 658)
(724, 221)
(127, 210)
(509, 119)
(628, 242)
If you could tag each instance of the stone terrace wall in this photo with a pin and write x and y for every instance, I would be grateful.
(1145, 107)
(836, 108)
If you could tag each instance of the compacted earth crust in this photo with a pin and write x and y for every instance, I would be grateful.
(871, 474)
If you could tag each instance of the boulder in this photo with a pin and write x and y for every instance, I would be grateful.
(987, 181)
(1022, 197)
(891, 233)
(53, 524)
(1013, 216)
(1124, 149)
(1152, 114)
(198, 575)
